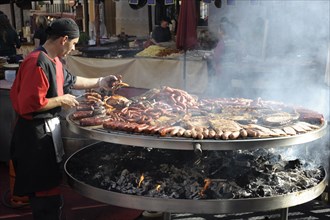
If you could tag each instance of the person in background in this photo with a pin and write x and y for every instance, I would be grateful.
(232, 30)
(219, 50)
(9, 40)
(220, 80)
(162, 33)
(40, 35)
(235, 49)
(41, 89)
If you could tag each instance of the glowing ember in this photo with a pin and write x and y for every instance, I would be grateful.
(206, 186)
(141, 180)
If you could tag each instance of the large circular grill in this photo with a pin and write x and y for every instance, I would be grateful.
(112, 133)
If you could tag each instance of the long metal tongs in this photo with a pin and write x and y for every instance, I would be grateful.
(79, 96)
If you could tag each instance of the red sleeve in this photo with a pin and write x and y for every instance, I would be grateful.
(28, 93)
(59, 76)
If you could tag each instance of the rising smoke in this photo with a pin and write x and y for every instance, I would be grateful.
(283, 54)
(283, 50)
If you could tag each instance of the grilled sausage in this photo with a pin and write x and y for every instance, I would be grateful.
(243, 133)
(92, 121)
(225, 135)
(234, 135)
(81, 114)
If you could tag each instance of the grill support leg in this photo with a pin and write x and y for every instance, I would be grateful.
(284, 214)
(328, 186)
(166, 216)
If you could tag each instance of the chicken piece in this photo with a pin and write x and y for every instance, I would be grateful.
(116, 101)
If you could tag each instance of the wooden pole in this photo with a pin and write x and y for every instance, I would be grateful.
(149, 18)
(12, 12)
(22, 18)
(97, 23)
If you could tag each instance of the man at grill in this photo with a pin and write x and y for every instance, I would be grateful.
(39, 91)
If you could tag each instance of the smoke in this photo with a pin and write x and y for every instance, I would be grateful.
(316, 152)
(281, 55)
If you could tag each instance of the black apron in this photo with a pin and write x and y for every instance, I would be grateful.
(33, 156)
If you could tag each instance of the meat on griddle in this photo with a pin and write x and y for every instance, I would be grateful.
(174, 112)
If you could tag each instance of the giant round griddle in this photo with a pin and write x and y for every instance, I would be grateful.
(155, 141)
(179, 143)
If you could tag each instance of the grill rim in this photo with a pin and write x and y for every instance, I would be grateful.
(141, 140)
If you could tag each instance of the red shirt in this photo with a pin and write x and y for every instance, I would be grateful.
(38, 79)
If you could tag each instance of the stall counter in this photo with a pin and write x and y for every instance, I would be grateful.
(25, 49)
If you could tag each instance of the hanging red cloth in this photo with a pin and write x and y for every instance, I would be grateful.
(186, 36)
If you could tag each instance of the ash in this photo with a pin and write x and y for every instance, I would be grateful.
(181, 174)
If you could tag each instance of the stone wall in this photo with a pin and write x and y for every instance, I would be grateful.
(132, 22)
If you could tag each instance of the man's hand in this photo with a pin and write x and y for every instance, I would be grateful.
(107, 82)
(67, 101)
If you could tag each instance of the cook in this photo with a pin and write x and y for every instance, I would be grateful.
(40, 90)
(162, 33)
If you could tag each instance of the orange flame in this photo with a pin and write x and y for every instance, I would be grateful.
(158, 188)
(206, 186)
(141, 180)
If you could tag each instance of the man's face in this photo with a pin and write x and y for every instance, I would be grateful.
(164, 24)
(69, 45)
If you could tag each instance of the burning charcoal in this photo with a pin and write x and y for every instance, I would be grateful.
(264, 191)
(112, 185)
(293, 164)
(245, 155)
(304, 183)
(274, 167)
(274, 158)
(231, 174)
(244, 163)
(244, 179)
(242, 194)
(317, 174)
(105, 182)
(225, 188)
(194, 189)
(131, 191)
(86, 171)
(174, 195)
(106, 157)
(122, 176)
(260, 152)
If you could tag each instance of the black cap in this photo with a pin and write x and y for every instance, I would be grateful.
(167, 19)
(62, 27)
